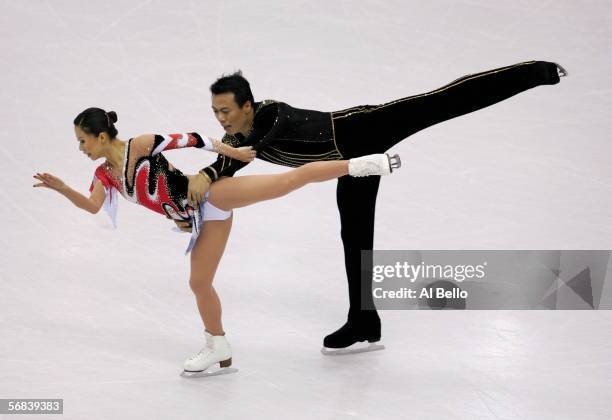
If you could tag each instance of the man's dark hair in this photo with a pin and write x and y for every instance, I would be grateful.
(234, 83)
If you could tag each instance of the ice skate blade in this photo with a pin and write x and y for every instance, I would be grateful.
(355, 348)
(394, 162)
(208, 372)
(561, 70)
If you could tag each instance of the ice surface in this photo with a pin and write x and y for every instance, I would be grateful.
(104, 318)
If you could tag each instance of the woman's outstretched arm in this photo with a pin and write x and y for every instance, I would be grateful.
(158, 143)
(92, 204)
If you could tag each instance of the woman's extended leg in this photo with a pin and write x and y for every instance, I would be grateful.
(232, 193)
(205, 257)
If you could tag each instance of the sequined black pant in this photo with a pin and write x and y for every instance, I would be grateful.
(370, 129)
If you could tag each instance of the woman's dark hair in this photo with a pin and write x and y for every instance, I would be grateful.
(95, 121)
(234, 83)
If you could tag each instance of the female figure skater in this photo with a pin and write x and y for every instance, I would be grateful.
(138, 170)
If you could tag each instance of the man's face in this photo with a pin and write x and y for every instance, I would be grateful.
(232, 117)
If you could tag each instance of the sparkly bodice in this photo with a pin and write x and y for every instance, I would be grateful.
(148, 178)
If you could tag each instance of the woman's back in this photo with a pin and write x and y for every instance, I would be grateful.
(147, 178)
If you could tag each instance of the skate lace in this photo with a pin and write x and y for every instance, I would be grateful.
(204, 351)
(368, 168)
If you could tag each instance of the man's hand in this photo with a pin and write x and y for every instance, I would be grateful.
(198, 186)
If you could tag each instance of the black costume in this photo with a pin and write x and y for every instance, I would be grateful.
(292, 137)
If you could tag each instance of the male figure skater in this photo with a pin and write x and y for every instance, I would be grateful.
(290, 136)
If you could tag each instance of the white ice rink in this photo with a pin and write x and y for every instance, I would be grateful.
(104, 319)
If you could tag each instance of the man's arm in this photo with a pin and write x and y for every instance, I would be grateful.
(265, 126)
(223, 166)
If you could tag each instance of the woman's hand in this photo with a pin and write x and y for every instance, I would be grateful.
(245, 154)
(50, 181)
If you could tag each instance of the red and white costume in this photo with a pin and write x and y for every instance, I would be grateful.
(148, 179)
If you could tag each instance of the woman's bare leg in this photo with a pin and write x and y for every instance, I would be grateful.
(232, 193)
(205, 258)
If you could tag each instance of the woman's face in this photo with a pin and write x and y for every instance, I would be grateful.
(88, 143)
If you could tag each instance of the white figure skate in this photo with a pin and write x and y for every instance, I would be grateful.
(202, 364)
(380, 164)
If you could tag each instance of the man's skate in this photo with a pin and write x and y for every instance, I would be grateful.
(204, 363)
(359, 334)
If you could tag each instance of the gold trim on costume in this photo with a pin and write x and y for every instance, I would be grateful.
(301, 154)
(205, 176)
(282, 159)
(334, 135)
(215, 171)
(274, 159)
(302, 157)
(456, 82)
